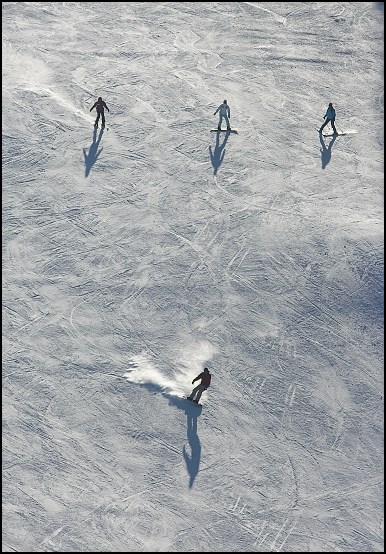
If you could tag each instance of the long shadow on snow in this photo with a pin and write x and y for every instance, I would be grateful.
(326, 151)
(217, 156)
(93, 154)
(192, 412)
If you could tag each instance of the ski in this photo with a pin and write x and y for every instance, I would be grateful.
(235, 131)
(339, 134)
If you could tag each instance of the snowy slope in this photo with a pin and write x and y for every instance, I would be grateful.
(135, 257)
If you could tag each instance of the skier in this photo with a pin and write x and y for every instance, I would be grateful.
(225, 112)
(100, 106)
(205, 377)
(330, 118)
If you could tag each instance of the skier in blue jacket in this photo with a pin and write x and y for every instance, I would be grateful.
(330, 118)
(225, 112)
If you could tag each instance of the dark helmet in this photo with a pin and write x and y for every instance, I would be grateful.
(100, 99)
(225, 101)
(330, 104)
(206, 370)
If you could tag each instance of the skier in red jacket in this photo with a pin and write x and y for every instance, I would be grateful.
(205, 377)
(100, 106)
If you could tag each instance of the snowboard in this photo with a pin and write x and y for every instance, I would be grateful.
(191, 401)
(224, 131)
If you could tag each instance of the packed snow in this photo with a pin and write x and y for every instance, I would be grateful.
(134, 256)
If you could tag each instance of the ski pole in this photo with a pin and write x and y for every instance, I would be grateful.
(339, 129)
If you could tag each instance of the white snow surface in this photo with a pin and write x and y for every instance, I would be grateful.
(135, 257)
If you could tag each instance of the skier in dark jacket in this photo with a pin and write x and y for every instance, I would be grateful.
(100, 106)
(205, 377)
(330, 118)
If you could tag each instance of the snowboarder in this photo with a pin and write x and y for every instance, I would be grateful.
(205, 377)
(225, 112)
(330, 118)
(100, 106)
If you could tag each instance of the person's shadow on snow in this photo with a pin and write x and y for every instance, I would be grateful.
(326, 151)
(217, 156)
(93, 153)
(192, 461)
(192, 412)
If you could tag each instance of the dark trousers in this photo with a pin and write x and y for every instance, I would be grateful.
(332, 121)
(199, 390)
(226, 121)
(103, 119)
